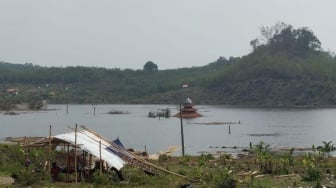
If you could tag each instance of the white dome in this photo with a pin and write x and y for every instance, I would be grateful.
(188, 101)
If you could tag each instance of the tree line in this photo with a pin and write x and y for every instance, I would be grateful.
(287, 67)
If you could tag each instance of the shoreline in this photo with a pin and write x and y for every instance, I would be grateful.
(200, 104)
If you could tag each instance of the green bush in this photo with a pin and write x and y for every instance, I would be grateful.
(184, 160)
(204, 158)
(312, 174)
(197, 173)
(101, 179)
(11, 159)
(224, 179)
(27, 177)
(182, 172)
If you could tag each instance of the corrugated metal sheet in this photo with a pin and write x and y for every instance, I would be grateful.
(90, 143)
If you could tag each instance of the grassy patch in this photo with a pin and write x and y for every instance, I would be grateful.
(261, 168)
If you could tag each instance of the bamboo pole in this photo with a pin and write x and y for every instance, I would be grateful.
(68, 163)
(49, 153)
(90, 161)
(83, 159)
(100, 159)
(75, 155)
(66, 155)
(182, 134)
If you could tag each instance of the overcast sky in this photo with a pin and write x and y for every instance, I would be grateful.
(128, 33)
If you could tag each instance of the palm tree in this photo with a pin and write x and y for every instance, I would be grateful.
(327, 147)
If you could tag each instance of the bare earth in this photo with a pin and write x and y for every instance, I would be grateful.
(6, 180)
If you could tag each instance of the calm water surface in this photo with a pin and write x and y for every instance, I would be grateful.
(277, 127)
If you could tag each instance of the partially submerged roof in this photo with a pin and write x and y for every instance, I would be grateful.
(112, 152)
(90, 143)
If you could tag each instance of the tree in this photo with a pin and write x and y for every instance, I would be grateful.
(255, 43)
(284, 38)
(297, 42)
(268, 33)
(327, 147)
(307, 40)
(150, 67)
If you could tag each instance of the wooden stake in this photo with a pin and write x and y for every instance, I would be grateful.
(100, 159)
(66, 158)
(68, 163)
(49, 153)
(182, 134)
(75, 155)
(83, 160)
(90, 161)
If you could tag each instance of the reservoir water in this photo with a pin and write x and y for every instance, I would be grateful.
(277, 127)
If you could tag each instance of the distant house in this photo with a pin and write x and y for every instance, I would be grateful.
(12, 91)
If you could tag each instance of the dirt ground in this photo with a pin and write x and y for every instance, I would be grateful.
(6, 180)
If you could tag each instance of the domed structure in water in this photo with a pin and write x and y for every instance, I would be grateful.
(188, 111)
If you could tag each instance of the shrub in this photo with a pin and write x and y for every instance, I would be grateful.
(203, 158)
(101, 179)
(30, 176)
(184, 160)
(224, 179)
(312, 174)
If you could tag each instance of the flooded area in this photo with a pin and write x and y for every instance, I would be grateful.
(219, 127)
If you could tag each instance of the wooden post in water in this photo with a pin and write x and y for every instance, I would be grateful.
(75, 155)
(182, 135)
(94, 109)
(67, 101)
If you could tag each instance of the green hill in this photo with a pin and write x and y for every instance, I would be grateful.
(287, 67)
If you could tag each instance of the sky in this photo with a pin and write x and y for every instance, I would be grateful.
(126, 34)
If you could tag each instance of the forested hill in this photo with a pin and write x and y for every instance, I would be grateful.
(287, 67)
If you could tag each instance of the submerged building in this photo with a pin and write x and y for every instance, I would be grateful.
(188, 111)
